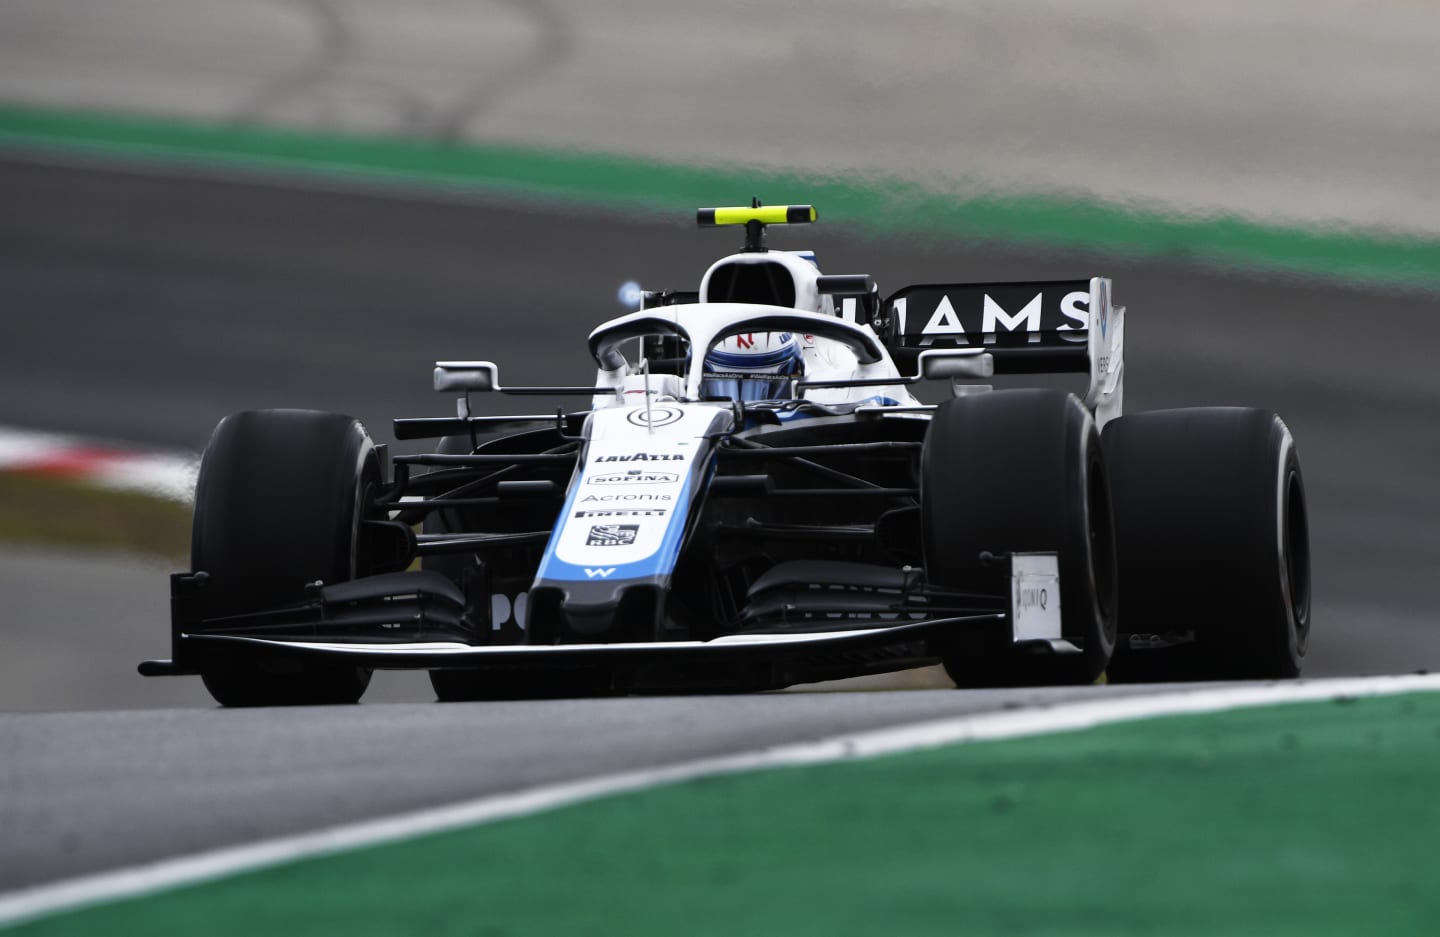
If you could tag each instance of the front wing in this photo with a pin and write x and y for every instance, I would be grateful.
(730, 648)
(823, 649)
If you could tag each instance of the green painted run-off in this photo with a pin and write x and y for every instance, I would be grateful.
(1305, 819)
(877, 204)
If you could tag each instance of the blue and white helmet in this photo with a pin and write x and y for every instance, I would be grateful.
(753, 366)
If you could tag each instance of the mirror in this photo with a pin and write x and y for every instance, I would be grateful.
(938, 364)
(466, 376)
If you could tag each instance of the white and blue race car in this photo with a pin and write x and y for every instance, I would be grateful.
(755, 498)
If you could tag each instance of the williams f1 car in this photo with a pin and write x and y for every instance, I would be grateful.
(756, 497)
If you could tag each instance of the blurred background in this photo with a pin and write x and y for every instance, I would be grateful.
(209, 206)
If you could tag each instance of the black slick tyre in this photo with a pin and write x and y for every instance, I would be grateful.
(279, 504)
(1213, 545)
(1020, 471)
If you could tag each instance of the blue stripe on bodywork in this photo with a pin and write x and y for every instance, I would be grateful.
(659, 563)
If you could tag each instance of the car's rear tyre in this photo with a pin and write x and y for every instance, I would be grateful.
(279, 504)
(1213, 545)
(1020, 471)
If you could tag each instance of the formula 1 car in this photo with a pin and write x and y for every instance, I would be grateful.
(755, 498)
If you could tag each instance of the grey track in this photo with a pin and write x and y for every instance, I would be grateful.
(143, 306)
(89, 791)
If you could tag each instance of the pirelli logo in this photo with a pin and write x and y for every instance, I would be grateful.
(625, 512)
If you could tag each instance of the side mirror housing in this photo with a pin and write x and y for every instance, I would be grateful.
(942, 363)
(467, 376)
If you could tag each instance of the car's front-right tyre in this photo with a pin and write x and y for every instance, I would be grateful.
(280, 504)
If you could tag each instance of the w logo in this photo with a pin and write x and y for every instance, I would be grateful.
(598, 573)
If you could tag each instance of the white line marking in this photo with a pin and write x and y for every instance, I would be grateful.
(139, 880)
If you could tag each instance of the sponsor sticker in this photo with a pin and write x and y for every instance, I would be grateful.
(1005, 314)
(1035, 596)
(611, 535)
(655, 416)
(635, 477)
(644, 457)
(648, 512)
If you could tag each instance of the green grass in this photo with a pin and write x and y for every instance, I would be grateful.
(1303, 819)
(875, 204)
(69, 513)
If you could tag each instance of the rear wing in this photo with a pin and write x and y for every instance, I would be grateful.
(1045, 327)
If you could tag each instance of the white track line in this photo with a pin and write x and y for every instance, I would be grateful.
(167, 874)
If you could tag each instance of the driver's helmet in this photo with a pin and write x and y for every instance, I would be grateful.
(753, 366)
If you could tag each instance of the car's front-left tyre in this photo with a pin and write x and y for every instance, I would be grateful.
(280, 504)
(1021, 471)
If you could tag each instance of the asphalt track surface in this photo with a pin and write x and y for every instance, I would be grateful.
(145, 306)
(91, 791)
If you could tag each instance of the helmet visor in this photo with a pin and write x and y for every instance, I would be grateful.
(753, 366)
